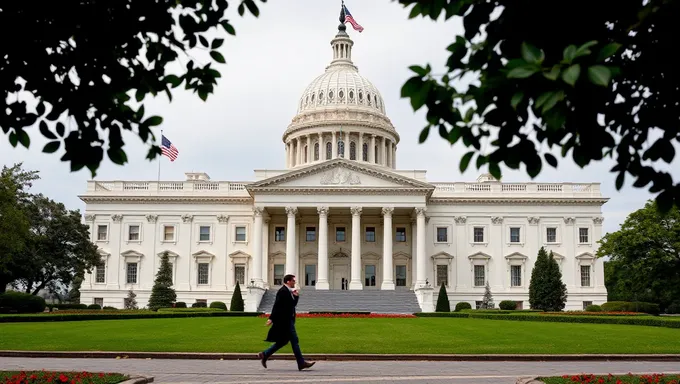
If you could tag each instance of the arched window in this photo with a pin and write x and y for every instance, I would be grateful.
(375, 154)
(364, 156)
(316, 151)
(329, 150)
(352, 150)
(341, 148)
(306, 154)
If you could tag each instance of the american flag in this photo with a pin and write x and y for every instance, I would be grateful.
(350, 19)
(168, 149)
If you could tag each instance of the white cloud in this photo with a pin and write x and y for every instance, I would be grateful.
(269, 64)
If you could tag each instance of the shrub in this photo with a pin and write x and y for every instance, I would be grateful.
(593, 308)
(507, 305)
(130, 302)
(546, 289)
(237, 304)
(110, 308)
(218, 305)
(443, 304)
(94, 306)
(199, 304)
(19, 302)
(674, 308)
(180, 304)
(487, 300)
(162, 293)
(67, 306)
(626, 306)
(462, 305)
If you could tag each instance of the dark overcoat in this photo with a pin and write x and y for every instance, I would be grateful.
(283, 314)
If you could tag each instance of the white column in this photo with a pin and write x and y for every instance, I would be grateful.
(287, 155)
(394, 155)
(420, 252)
(257, 247)
(322, 268)
(360, 150)
(414, 252)
(322, 148)
(290, 240)
(355, 281)
(334, 147)
(371, 150)
(299, 151)
(265, 251)
(388, 268)
(310, 150)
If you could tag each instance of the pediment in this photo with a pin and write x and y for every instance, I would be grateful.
(585, 256)
(340, 173)
(479, 256)
(371, 256)
(203, 254)
(103, 253)
(516, 256)
(239, 254)
(171, 254)
(401, 255)
(442, 256)
(131, 253)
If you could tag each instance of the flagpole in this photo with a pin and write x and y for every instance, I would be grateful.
(160, 160)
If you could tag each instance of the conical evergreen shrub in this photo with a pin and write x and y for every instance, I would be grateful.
(443, 304)
(162, 293)
(547, 292)
(236, 304)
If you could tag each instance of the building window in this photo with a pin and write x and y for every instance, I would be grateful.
(369, 276)
(204, 233)
(551, 235)
(131, 275)
(99, 301)
(241, 233)
(329, 150)
(340, 234)
(478, 304)
(168, 233)
(341, 148)
(280, 234)
(516, 275)
(442, 275)
(311, 234)
(316, 151)
(480, 279)
(478, 234)
(102, 232)
(583, 235)
(401, 235)
(240, 274)
(585, 275)
(306, 154)
(514, 235)
(279, 270)
(401, 275)
(310, 275)
(370, 235)
(352, 151)
(100, 273)
(133, 233)
(586, 304)
(203, 273)
(442, 235)
(375, 154)
(364, 152)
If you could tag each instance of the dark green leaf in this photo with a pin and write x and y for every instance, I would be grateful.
(481, 160)
(217, 57)
(252, 7)
(550, 159)
(419, 98)
(51, 147)
(571, 74)
(516, 99)
(555, 98)
(531, 54)
(60, 129)
(599, 75)
(204, 41)
(465, 161)
(139, 95)
(173, 80)
(40, 108)
(569, 54)
(419, 70)
(411, 86)
(522, 72)
(584, 49)
(607, 51)
(619, 180)
(117, 155)
(665, 201)
(443, 132)
(216, 43)
(495, 170)
(228, 27)
(553, 74)
(424, 134)
(469, 114)
(24, 139)
(13, 139)
(46, 131)
(540, 100)
(454, 134)
(153, 121)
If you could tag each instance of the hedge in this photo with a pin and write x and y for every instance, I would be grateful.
(20, 302)
(628, 306)
(623, 320)
(113, 315)
(339, 312)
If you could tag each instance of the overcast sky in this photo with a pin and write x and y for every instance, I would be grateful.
(269, 64)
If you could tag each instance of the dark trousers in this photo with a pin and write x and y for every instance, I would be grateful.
(294, 342)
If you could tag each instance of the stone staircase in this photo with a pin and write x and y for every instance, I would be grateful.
(376, 301)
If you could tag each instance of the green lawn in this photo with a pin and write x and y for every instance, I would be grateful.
(420, 335)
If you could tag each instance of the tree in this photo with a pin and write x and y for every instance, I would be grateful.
(644, 257)
(443, 304)
(487, 300)
(130, 301)
(74, 292)
(162, 293)
(14, 224)
(57, 248)
(85, 70)
(608, 88)
(236, 304)
(547, 292)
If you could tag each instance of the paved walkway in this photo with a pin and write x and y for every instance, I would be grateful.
(335, 372)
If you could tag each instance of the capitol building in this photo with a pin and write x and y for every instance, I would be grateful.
(344, 219)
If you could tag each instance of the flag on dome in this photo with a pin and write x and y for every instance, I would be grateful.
(350, 19)
(168, 149)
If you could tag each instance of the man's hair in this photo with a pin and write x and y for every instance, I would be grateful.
(288, 278)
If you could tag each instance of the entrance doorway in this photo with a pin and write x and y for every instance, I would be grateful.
(369, 276)
(340, 277)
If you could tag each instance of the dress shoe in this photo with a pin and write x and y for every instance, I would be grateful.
(263, 359)
(306, 365)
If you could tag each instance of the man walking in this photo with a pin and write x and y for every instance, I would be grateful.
(282, 320)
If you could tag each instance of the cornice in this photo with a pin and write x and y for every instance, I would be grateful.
(167, 199)
(384, 191)
(367, 118)
(516, 200)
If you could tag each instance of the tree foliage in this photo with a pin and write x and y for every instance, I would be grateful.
(75, 76)
(644, 256)
(236, 304)
(443, 304)
(487, 300)
(547, 292)
(594, 81)
(162, 293)
(130, 302)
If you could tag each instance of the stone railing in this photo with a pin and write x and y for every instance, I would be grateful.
(180, 188)
(517, 189)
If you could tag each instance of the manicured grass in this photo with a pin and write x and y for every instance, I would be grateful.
(40, 377)
(625, 379)
(335, 335)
